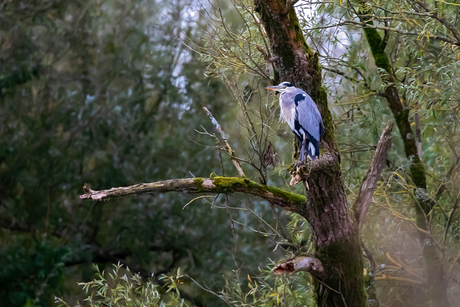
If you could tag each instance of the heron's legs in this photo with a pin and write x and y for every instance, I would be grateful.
(303, 151)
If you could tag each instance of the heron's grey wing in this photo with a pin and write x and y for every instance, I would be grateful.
(308, 115)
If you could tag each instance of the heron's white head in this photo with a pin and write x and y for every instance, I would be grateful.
(282, 87)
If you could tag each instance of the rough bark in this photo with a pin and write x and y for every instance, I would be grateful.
(287, 200)
(431, 255)
(335, 235)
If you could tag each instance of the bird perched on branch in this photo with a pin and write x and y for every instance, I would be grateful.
(300, 112)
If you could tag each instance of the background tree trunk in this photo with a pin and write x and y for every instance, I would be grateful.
(422, 203)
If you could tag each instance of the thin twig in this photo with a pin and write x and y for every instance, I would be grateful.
(360, 24)
(228, 149)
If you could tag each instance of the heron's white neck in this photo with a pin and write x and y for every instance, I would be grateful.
(287, 109)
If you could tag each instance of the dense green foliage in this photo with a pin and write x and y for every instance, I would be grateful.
(104, 92)
(110, 92)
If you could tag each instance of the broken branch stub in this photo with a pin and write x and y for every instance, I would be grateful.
(308, 264)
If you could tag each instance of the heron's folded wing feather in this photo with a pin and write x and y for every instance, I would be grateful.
(308, 115)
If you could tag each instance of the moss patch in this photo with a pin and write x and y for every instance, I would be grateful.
(291, 197)
(199, 184)
(235, 184)
(377, 48)
(376, 44)
(417, 171)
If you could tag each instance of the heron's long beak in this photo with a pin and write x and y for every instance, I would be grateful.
(273, 88)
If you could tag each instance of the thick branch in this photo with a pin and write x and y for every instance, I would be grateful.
(401, 115)
(367, 189)
(287, 200)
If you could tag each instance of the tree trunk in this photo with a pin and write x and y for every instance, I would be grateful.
(335, 233)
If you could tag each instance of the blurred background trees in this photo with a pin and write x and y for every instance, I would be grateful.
(105, 92)
(111, 93)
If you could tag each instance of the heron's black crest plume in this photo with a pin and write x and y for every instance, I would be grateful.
(287, 84)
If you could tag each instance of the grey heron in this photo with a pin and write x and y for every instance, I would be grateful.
(300, 112)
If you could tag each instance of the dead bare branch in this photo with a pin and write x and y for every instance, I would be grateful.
(369, 184)
(228, 149)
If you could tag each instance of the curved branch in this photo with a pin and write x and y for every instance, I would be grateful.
(287, 200)
(369, 184)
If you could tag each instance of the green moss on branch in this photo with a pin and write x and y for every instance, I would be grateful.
(377, 49)
(290, 201)
(198, 181)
